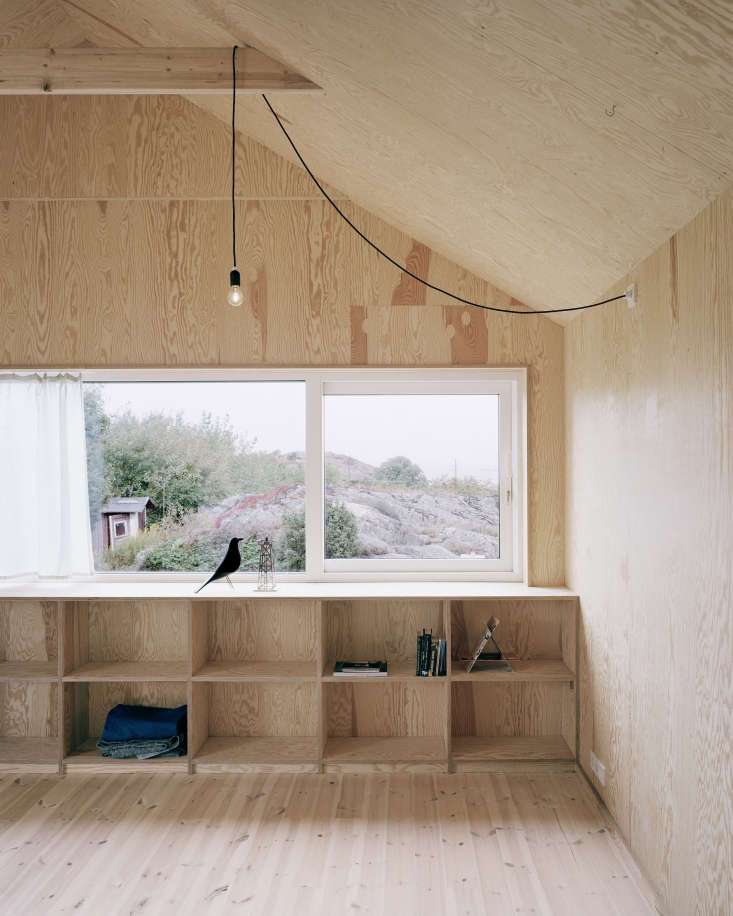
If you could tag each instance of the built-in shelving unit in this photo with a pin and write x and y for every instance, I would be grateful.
(29, 685)
(256, 673)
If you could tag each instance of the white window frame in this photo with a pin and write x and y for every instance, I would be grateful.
(509, 384)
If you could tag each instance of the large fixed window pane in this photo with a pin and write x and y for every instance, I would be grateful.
(411, 476)
(176, 469)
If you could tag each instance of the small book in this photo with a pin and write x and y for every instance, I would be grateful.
(360, 669)
(427, 649)
(433, 664)
(442, 670)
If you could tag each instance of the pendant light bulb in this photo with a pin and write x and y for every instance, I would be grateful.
(236, 296)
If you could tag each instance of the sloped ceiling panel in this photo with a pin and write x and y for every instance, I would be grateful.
(546, 145)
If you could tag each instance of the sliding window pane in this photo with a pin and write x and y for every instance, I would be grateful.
(412, 476)
(176, 469)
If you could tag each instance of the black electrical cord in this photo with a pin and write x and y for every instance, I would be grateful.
(438, 289)
(234, 111)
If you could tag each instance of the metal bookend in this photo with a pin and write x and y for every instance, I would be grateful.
(492, 661)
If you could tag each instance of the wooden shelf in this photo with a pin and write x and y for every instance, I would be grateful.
(29, 641)
(475, 749)
(29, 671)
(385, 750)
(396, 671)
(258, 750)
(29, 750)
(257, 671)
(129, 671)
(88, 758)
(535, 669)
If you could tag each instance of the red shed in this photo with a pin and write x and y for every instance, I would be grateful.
(124, 517)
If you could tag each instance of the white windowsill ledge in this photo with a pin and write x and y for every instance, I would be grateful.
(73, 589)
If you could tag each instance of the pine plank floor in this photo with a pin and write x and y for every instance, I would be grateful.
(263, 844)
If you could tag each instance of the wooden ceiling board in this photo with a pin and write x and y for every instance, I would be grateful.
(24, 24)
(143, 71)
(546, 145)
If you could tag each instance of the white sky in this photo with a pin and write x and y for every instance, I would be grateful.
(441, 433)
(273, 412)
(432, 430)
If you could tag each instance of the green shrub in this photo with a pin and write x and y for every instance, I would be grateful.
(290, 546)
(250, 551)
(342, 537)
(204, 555)
(333, 475)
(401, 472)
(124, 556)
(179, 555)
(466, 486)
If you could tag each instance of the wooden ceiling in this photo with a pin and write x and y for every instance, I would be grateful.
(546, 145)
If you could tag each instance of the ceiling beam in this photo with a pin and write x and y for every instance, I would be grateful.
(143, 71)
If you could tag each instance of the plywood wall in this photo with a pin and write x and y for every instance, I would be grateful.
(115, 250)
(650, 547)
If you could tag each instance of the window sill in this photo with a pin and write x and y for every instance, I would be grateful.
(112, 590)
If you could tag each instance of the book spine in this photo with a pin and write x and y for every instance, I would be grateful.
(418, 654)
(427, 652)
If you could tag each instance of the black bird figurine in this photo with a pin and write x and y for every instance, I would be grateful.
(229, 565)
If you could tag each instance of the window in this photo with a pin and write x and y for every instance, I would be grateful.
(350, 473)
(208, 461)
(416, 470)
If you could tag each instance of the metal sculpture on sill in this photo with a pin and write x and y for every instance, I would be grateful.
(230, 564)
(266, 568)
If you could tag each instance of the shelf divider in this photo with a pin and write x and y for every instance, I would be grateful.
(449, 695)
(321, 655)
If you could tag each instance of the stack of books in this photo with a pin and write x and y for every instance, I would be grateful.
(360, 669)
(430, 660)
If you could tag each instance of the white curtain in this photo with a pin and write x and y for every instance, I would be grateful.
(44, 501)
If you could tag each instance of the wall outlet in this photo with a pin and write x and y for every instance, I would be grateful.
(598, 768)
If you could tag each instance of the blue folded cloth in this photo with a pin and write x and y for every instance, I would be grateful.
(143, 748)
(135, 723)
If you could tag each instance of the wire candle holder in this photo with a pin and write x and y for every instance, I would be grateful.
(266, 568)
